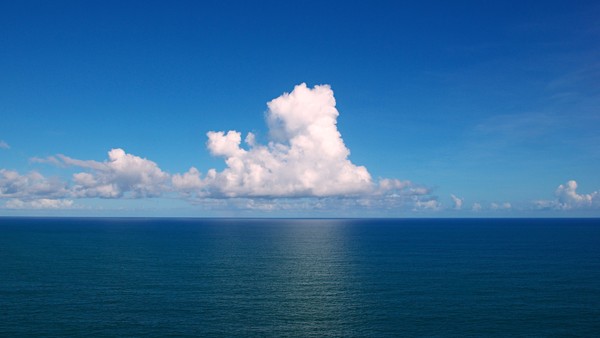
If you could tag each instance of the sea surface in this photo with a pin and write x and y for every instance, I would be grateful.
(299, 277)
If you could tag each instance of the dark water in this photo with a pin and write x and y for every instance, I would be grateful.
(124, 277)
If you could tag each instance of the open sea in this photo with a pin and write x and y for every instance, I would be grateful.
(299, 277)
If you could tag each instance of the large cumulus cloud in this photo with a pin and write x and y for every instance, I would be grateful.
(306, 155)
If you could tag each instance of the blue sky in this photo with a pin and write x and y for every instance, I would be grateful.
(452, 108)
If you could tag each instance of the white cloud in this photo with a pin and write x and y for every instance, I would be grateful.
(123, 175)
(188, 182)
(458, 202)
(304, 165)
(305, 157)
(387, 184)
(567, 198)
(32, 185)
(4, 145)
(50, 160)
(43, 203)
(476, 207)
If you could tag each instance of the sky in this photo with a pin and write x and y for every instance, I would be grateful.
(300, 108)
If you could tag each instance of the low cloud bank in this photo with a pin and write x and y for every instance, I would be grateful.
(42, 203)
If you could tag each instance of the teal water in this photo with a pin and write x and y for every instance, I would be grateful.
(235, 277)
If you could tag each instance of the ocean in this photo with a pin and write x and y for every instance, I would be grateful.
(299, 277)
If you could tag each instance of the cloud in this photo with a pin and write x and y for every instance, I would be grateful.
(458, 202)
(49, 160)
(306, 155)
(43, 203)
(4, 145)
(476, 207)
(304, 165)
(32, 185)
(122, 175)
(427, 204)
(567, 198)
(188, 182)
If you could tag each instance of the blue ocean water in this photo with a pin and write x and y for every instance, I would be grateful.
(305, 277)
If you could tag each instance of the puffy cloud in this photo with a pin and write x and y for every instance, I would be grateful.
(305, 157)
(387, 184)
(188, 182)
(32, 185)
(4, 145)
(458, 202)
(567, 198)
(476, 207)
(43, 203)
(303, 165)
(122, 175)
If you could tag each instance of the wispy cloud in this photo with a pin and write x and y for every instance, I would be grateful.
(458, 202)
(4, 145)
